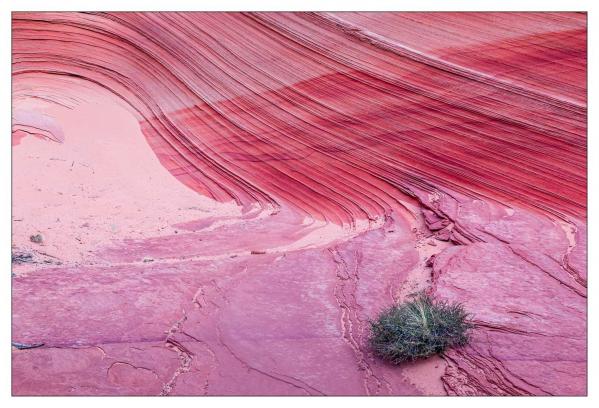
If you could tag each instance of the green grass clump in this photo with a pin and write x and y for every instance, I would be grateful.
(418, 329)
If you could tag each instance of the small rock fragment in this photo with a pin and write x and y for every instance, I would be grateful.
(37, 238)
(21, 257)
(23, 346)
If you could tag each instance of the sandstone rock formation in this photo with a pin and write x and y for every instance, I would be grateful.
(226, 199)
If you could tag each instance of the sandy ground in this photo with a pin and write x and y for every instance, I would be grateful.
(102, 183)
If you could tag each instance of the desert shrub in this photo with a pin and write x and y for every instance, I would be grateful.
(418, 329)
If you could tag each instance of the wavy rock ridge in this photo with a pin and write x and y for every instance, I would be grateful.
(346, 149)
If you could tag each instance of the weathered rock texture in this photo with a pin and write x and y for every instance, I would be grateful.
(226, 199)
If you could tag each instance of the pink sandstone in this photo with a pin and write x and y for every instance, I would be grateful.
(225, 200)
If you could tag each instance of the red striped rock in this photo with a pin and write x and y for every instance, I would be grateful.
(226, 199)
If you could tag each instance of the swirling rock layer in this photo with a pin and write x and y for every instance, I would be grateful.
(226, 199)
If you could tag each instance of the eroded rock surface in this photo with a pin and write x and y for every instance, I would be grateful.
(529, 304)
(226, 199)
